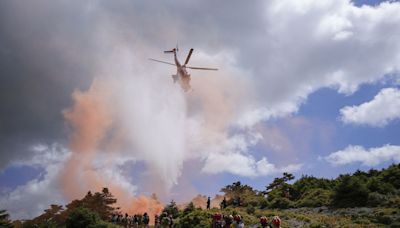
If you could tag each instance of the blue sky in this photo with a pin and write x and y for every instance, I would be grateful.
(323, 107)
(367, 2)
(306, 87)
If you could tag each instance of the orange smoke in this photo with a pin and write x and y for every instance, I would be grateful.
(201, 201)
(91, 119)
(142, 204)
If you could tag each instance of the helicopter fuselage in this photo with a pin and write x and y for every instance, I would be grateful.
(182, 76)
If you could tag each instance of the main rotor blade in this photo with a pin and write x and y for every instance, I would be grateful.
(201, 68)
(188, 56)
(162, 62)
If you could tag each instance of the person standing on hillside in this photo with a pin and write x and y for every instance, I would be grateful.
(228, 221)
(264, 222)
(276, 222)
(156, 222)
(145, 220)
(208, 203)
(223, 203)
(238, 222)
(217, 220)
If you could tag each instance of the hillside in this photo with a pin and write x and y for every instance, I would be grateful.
(361, 199)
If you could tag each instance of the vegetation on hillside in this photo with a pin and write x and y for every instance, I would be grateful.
(360, 199)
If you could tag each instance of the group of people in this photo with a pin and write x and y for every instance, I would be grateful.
(226, 221)
(274, 223)
(138, 220)
(131, 221)
(236, 221)
(222, 205)
(164, 220)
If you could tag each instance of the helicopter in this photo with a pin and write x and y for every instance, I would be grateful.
(182, 76)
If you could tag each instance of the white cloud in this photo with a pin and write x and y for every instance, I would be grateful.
(368, 157)
(310, 45)
(30, 199)
(244, 165)
(378, 112)
(252, 117)
(234, 157)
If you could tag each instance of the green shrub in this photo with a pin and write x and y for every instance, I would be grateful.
(316, 225)
(384, 219)
(315, 198)
(351, 192)
(172, 209)
(250, 209)
(281, 203)
(263, 203)
(395, 225)
(82, 218)
(376, 199)
(196, 218)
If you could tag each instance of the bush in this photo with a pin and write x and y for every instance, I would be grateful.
(196, 218)
(393, 201)
(376, 199)
(315, 198)
(281, 203)
(263, 203)
(171, 209)
(395, 225)
(351, 192)
(250, 209)
(384, 219)
(82, 218)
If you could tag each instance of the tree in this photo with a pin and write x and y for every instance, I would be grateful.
(350, 192)
(99, 202)
(197, 218)
(277, 199)
(280, 182)
(236, 189)
(245, 193)
(53, 215)
(82, 218)
(189, 208)
(315, 197)
(171, 209)
(279, 192)
(4, 219)
(307, 183)
(392, 175)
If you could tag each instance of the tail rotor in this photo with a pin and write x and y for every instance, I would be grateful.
(188, 57)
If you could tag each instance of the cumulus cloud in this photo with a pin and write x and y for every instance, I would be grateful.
(368, 157)
(244, 165)
(235, 157)
(378, 112)
(336, 45)
(30, 199)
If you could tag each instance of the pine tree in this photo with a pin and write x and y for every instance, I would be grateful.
(4, 219)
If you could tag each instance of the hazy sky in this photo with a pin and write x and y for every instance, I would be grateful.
(308, 87)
